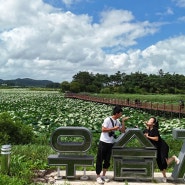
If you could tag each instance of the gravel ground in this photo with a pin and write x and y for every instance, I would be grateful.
(59, 178)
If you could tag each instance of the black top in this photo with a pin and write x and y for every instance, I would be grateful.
(153, 133)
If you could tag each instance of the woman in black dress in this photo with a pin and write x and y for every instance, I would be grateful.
(152, 133)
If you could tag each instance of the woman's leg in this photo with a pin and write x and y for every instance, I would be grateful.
(164, 173)
(171, 159)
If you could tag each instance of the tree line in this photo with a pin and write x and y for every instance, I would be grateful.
(137, 82)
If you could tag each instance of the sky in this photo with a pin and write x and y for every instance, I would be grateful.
(56, 39)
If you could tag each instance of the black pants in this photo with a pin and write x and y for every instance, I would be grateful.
(103, 156)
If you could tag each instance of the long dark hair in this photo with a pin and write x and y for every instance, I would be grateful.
(156, 123)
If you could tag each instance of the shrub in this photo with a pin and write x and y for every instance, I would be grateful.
(14, 132)
(5, 179)
(105, 90)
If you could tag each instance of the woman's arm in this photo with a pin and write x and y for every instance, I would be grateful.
(154, 138)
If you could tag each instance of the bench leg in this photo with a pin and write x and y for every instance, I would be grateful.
(58, 174)
(84, 177)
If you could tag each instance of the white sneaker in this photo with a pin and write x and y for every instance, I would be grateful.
(106, 179)
(177, 160)
(164, 179)
(99, 180)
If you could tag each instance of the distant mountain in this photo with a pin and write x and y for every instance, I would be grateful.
(27, 82)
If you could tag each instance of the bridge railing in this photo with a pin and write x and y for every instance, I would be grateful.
(173, 108)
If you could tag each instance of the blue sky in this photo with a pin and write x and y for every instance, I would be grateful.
(163, 12)
(55, 39)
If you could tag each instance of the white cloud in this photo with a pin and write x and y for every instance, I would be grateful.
(168, 11)
(180, 3)
(118, 28)
(167, 55)
(20, 12)
(68, 3)
(42, 42)
(182, 18)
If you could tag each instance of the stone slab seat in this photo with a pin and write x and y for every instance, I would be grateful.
(82, 160)
(70, 161)
(71, 145)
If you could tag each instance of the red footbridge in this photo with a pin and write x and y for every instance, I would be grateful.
(173, 110)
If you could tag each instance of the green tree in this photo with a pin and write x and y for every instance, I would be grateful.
(65, 85)
(137, 82)
(84, 79)
(92, 88)
(116, 80)
(105, 90)
(75, 87)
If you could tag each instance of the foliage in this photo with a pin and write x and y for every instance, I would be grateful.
(84, 79)
(65, 86)
(14, 132)
(25, 159)
(105, 90)
(75, 87)
(5, 179)
(154, 98)
(28, 158)
(137, 82)
(44, 111)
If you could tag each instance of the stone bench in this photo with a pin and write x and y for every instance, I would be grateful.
(133, 162)
(71, 153)
(70, 161)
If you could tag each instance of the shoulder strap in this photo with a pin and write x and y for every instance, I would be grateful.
(112, 122)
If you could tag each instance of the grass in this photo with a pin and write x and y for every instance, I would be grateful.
(160, 98)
